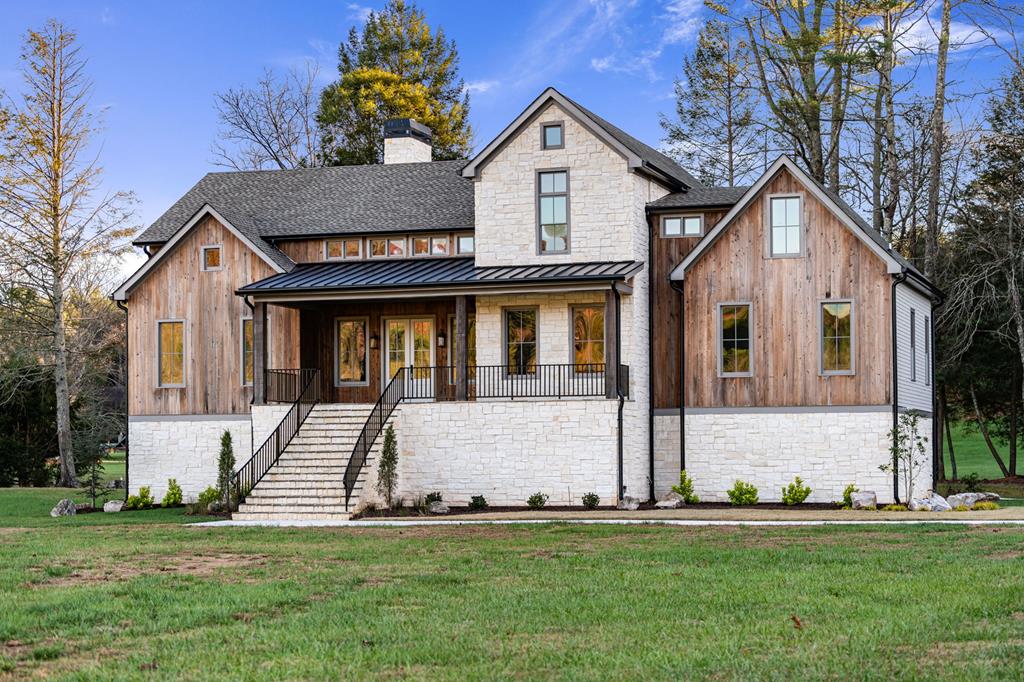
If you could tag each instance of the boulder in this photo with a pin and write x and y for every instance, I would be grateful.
(65, 507)
(671, 500)
(113, 505)
(438, 507)
(628, 503)
(863, 500)
(970, 499)
(918, 504)
(939, 503)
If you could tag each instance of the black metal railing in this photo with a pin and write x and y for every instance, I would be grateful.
(509, 382)
(389, 398)
(307, 395)
(285, 385)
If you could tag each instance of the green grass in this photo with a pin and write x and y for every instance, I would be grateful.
(143, 600)
(972, 455)
(30, 508)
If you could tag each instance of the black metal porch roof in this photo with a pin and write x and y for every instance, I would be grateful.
(433, 272)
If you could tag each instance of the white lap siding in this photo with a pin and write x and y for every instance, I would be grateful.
(914, 394)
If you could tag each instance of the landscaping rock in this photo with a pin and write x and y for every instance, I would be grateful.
(83, 507)
(113, 505)
(65, 507)
(939, 503)
(863, 500)
(438, 508)
(970, 499)
(628, 503)
(672, 500)
(918, 504)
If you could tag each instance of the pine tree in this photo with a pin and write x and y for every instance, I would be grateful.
(395, 67)
(387, 472)
(225, 468)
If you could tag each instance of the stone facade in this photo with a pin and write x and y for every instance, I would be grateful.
(406, 150)
(827, 449)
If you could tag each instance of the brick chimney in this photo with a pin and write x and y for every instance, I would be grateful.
(406, 141)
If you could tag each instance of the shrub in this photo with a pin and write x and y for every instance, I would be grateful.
(848, 495)
(685, 489)
(743, 493)
(894, 508)
(591, 500)
(173, 496)
(961, 507)
(536, 500)
(387, 473)
(971, 482)
(796, 492)
(985, 506)
(225, 468)
(433, 497)
(141, 501)
(478, 502)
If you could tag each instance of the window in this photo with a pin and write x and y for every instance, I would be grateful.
(682, 226)
(387, 248)
(350, 342)
(211, 258)
(913, 345)
(521, 340)
(551, 136)
(588, 338)
(171, 353)
(343, 248)
(465, 243)
(734, 334)
(439, 246)
(248, 354)
(421, 246)
(927, 352)
(553, 209)
(470, 345)
(785, 226)
(396, 248)
(837, 337)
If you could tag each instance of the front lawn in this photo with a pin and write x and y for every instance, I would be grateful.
(135, 600)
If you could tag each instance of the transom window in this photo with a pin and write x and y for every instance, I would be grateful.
(682, 226)
(785, 226)
(430, 246)
(837, 337)
(466, 243)
(551, 136)
(211, 258)
(351, 351)
(248, 356)
(387, 248)
(521, 340)
(734, 332)
(171, 352)
(553, 209)
(344, 248)
(588, 338)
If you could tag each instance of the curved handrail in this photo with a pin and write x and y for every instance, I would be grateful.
(389, 398)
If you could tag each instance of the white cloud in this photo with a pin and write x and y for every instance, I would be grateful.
(358, 12)
(107, 16)
(684, 18)
(481, 85)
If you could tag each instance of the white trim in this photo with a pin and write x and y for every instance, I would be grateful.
(121, 293)
(409, 349)
(343, 240)
(679, 272)
(202, 257)
(184, 353)
(801, 226)
(682, 217)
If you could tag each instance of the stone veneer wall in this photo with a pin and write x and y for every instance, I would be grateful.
(828, 450)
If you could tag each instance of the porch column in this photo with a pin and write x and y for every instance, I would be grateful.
(259, 354)
(611, 344)
(461, 349)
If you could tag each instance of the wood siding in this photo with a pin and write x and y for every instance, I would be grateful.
(785, 294)
(312, 250)
(178, 289)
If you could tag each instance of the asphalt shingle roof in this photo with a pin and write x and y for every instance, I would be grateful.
(700, 196)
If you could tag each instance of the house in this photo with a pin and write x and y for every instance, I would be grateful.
(569, 311)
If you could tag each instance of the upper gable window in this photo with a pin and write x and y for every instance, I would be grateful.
(211, 258)
(785, 226)
(387, 248)
(337, 249)
(682, 226)
(466, 243)
(430, 246)
(551, 136)
(553, 211)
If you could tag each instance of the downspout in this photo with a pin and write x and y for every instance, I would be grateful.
(127, 402)
(938, 300)
(618, 384)
(650, 358)
(896, 280)
(252, 429)
(682, 374)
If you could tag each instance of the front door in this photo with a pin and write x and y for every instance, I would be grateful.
(410, 343)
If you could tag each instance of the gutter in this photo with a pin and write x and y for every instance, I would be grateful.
(127, 383)
(650, 359)
(252, 400)
(618, 385)
(896, 280)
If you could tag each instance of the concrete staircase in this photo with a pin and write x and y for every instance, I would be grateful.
(306, 483)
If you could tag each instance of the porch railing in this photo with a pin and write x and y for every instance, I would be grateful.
(306, 396)
(389, 398)
(285, 385)
(510, 382)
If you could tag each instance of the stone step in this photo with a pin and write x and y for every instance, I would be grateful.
(310, 487)
(298, 507)
(268, 516)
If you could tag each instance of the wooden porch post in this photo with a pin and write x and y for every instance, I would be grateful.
(259, 355)
(611, 346)
(461, 349)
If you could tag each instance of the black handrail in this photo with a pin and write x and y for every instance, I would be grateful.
(389, 398)
(307, 395)
(285, 385)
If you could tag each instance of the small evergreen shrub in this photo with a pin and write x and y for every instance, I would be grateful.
(848, 495)
(742, 494)
(433, 497)
(536, 500)
(478, 502)
(971, 483)
(387, 472)
(141, 501)
(796, 492)
(173, 496)
(591, 500)
(225, 468)
(985, 506)
(894, 508)
(685, 489)
(961, 508)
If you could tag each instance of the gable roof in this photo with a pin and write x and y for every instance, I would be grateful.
(700, 197)
(303, 202)
(638, 155)
(895, 263)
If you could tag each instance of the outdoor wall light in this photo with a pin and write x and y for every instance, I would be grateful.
(440, 340)
(374, 342)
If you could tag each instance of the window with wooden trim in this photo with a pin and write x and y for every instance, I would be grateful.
(466, 243)
(521, 340)
(553, 211)
(913, 345)
(391, 247)
(734, 334)
(430, 246)
(350, 351)
(552, 136)
(785, 225)
(587, 338)
(211, 258)
(248, 352)
(171, 353)
(837, 337)
(682, 226)
(343, 249)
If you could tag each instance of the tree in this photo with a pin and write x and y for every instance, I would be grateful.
(387, 470)
(937, 123)
(55, 233)
(716, 131)
(395, 67)
(225, 468)
(907, 448)
(272, 125)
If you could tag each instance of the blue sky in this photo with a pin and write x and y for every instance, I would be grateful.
(156, 66)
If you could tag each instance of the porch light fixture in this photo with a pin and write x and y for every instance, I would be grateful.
(440, 339)
(374, 342)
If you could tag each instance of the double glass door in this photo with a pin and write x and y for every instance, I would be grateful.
(410, 343)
